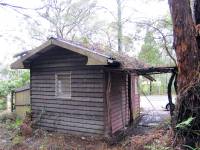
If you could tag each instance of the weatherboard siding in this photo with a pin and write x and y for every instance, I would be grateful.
(119, 101)
(83, 113)
(135, 96)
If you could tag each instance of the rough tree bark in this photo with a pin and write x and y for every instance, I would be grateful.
(197, 20)
(185, 42)
(187, 52)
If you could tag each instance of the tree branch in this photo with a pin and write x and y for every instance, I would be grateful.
(163, 37)
(13, 6)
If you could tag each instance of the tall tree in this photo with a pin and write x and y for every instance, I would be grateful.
(64, 19)
(150, 53)
(162, 34)
(119, 25)
(117, 33)
(188, 59)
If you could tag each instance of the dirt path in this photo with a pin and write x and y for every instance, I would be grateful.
(41, 139)
(5, 141)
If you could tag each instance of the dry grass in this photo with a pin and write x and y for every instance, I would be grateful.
(157, 139)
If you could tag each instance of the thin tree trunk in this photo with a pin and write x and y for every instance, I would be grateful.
(119, 25)
(150, 89)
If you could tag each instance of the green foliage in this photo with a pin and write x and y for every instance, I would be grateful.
(2, 104)
(15, 124)
(156, 146)
(157, 87)
(150, 53)
(14, 79)
(185, 124)
(161, 34)
(191, 148)
(3, 88)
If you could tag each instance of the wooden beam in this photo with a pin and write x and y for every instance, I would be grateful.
(155, 70)
(130, 100)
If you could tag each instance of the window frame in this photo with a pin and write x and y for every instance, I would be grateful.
(64, 96)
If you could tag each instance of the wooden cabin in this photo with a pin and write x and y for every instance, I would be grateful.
(81, 91)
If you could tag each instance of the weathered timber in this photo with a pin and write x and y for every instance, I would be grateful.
(77, 112)
(69, 115)
(70, 106)
(69, 128)
(81, 99)
(72, 119)
(69, 102)
(69, 123)
(78, 91)
(86, 90)
(118, 102)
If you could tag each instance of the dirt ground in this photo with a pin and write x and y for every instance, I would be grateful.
(4, 137)
(42, 140)
(11, 139)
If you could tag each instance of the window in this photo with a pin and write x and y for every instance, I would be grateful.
(63, 85)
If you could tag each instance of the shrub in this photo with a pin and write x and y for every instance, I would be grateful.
(15, 124)
(15, 79)
(2, 104)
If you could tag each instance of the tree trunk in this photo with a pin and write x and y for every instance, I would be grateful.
(150, 88)
(185, 42)
(197, 20)
(187, 51)
(119, 26)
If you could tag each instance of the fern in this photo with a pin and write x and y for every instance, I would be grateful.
(185, 123)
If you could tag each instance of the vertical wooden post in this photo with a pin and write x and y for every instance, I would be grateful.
(107, 99)
(130, 99)
(150, 90)
(12, 104)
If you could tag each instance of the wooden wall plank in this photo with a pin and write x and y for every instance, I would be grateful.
(69, 115)
(69, 106)
(69, 128)
(68, 102)
(69, 123)
(74, 98)
(75, 120)
(84, 111)
(119, 101)
(61, 130)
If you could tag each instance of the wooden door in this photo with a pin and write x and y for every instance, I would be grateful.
(135, 96)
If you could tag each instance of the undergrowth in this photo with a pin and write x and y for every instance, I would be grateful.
(2, 104)
(15, 124)
(187, 118)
